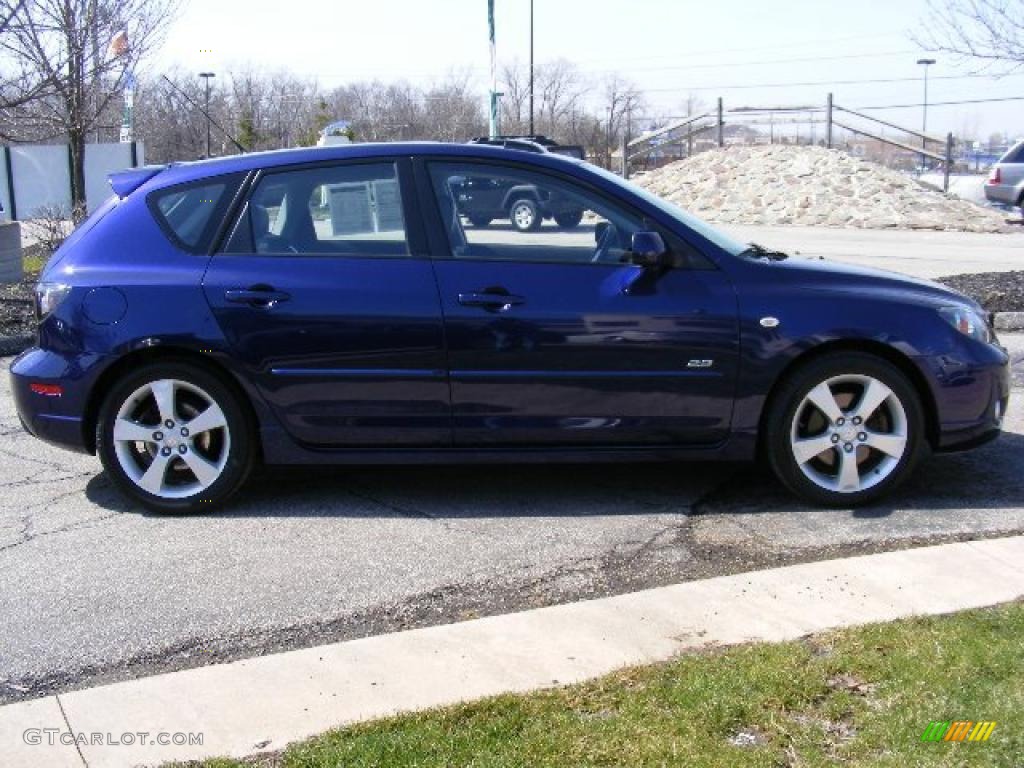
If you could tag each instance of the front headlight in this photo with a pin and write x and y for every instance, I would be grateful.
(48, 297)
(968, 321)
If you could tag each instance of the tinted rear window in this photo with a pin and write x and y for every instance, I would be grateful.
(191, 213)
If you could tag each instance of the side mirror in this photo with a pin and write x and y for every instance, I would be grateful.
(648, 250)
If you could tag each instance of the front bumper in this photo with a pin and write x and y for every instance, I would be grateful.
(56, 419)
(971, 390)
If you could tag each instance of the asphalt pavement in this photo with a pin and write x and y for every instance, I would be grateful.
(96, 590)
(921, 253)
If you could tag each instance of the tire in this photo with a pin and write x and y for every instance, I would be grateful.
(132, 435)
(524, 215)
(479, 221)
(569, 219)
(885, 442)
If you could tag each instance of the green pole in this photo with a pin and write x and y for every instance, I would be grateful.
(493, 122)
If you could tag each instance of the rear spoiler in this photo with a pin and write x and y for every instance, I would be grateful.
(125, 182)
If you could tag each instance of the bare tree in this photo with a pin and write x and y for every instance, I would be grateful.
(515, 102)
(378, 111)
(291, 109)
(986, 31)
(171, 125)
(60, 50)
(18, 84)
(452, 111)
(622, 100)
(559, 89)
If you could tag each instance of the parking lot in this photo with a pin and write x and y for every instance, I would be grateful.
(96, 590)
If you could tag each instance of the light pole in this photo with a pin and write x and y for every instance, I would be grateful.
(531, 67)
(924, 120)
(206, 78)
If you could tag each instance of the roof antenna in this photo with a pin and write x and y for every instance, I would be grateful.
(206, 114)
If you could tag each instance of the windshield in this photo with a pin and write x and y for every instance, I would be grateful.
(702, 228)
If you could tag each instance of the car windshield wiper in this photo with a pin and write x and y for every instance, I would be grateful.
(756, 251)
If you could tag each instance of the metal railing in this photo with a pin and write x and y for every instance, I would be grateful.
(682, 132)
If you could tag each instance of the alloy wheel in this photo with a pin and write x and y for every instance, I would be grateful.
(171, 438)
(849, 433)
(523, 215)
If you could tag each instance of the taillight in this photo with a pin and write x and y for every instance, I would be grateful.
(46, 390)
(995, 177)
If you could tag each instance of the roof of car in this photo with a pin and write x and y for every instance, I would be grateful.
(178, 172)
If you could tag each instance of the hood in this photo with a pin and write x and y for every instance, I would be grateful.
(851, 278)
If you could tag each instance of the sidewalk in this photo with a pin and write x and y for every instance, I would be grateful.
(264, 703)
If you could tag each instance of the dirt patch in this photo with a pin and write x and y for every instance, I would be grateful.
(17, 300)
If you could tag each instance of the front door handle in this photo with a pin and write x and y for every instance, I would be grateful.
(257, 296)
(490, 300)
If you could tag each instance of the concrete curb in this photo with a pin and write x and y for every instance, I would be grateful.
(264, 703)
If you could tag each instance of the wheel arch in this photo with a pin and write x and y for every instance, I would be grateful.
(866, 346)
(155, 354)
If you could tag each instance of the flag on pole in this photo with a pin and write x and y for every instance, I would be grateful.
(118, 45)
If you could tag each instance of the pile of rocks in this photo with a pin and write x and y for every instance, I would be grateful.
(811, 186)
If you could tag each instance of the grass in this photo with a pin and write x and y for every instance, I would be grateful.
(33, 260)
(860, 697)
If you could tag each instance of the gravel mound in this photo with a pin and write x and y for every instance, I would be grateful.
(811, 186)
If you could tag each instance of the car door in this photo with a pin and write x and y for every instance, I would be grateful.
(553, 340)
(327, 296)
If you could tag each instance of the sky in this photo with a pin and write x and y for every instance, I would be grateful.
(749, 52)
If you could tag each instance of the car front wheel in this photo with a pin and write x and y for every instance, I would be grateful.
(845, 430)
(173, 437)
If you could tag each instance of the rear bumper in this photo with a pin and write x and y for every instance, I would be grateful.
(971, 392)
(55, 419)
(1002, 193)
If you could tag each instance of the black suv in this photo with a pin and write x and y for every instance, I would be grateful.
(481, 200)
(532, 143)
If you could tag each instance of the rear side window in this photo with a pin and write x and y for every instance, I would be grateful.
(1015, 155)
(341, 210)
(191, 213)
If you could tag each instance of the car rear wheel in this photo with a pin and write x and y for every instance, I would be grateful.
(174, 437)
(479, 221)
(569, 220)
(524, 215)
(845, 430)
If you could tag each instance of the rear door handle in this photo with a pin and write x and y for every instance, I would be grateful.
(489, 300)
(257, 297)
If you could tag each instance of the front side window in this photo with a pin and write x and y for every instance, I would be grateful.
(701, 227)
(511, 214)
(337, 210)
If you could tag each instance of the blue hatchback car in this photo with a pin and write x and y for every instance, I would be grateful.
(334, 306)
